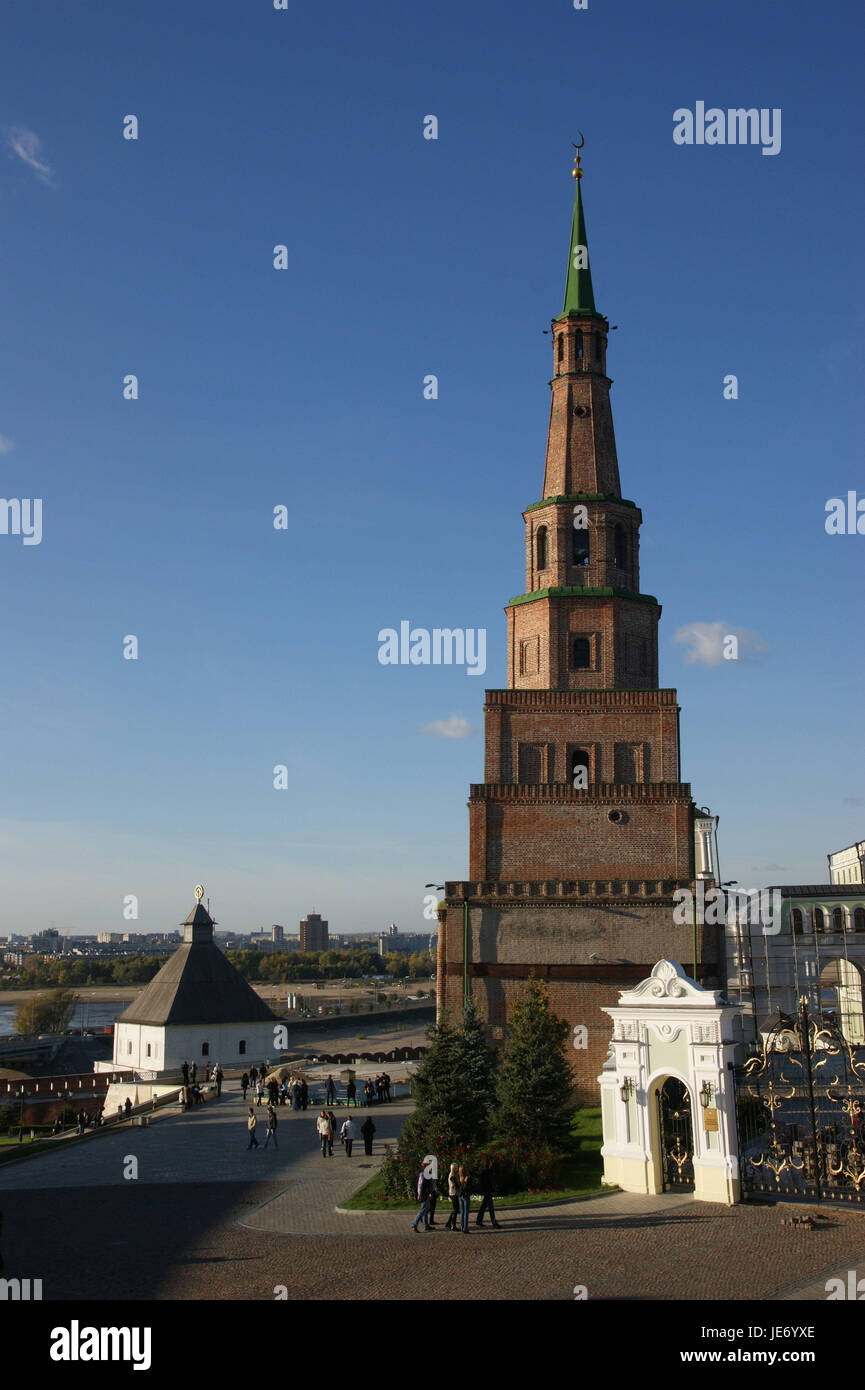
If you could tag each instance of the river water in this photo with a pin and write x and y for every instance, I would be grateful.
(88, 1014)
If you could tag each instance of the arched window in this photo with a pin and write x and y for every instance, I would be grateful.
(620, 548)
(560, 347)
(599, 346)
(578, 346)
(581, 654)
(242, 1047)
(580, 769)
(542, 545)
(796, 921)
(843, 977)
(819, 919)
(859, 919)
(205, 1049)
(579, 546)
(837, 919)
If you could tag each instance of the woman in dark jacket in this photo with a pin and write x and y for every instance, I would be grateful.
(465, 1191)
(367, 1129)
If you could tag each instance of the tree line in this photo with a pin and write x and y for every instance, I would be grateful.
(278, 967)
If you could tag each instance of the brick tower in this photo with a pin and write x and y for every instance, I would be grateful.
(582, 829)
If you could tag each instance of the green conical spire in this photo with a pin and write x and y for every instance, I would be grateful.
(579, 297)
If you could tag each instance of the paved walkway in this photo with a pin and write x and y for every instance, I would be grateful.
(207, 1219)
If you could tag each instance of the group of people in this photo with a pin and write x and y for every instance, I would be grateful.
(378, 1089)
(291, 1090)
(271, 1124)
(460, 1186)
(326, 1129)
(190, 1073)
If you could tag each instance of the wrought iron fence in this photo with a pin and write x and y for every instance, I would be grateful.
(800, 1103)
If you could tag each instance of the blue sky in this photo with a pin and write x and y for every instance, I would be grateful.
(304, 388)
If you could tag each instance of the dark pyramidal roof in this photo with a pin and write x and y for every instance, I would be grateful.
(198, 984)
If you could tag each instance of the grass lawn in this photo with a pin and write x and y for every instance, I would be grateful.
(581, 1175)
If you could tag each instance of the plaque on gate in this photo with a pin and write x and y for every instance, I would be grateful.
(710, 1119)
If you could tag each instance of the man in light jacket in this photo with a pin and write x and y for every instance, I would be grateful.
(325, 1132)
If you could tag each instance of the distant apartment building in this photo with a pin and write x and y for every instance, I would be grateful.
(313, 933)
(404, 943)
(848, 865)
(47, 943)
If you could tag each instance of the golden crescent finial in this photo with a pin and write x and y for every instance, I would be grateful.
(577, 172)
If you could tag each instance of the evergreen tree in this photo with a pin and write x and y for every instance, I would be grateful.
(477, 1068)
(453, 1087)
(534, 1085)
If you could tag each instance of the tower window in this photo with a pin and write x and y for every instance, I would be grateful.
(837, 919)
(796, 921)
(625, 763)
(819, 919)
(581, 654)
(859, 919)
(578, 346)
(599, 346)
(205, 1049)
(541, 544)
(241, 1047)
(620, 548)
(560, 347)
(579, 547)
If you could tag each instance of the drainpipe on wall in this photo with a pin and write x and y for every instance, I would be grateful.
(465, 951)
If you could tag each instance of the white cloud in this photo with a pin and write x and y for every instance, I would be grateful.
(6, 445)
(27, 145)
(707, 642)
(455, 727)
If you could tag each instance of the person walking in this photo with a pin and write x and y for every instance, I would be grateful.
(433, 1198)
(270, 1127)
(253, 1076)
(465, 1196)
(244, 1084)
(385, 1083)
(346, 1134)
(424, 1187)
(330, 1137)
(322, 1125)
(193, 1072)
(259, 1091)
(304, 1095)
(184, 1072)
(369, 1091)
(329, 1090)
(454, 1194)
(485, 1185)
(367, 1129)
(379, 1086)
(351, 1094)
(295, 1095)
(251, 1122)
(217, 1076)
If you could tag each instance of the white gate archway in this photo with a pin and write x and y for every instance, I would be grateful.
(669, 1027)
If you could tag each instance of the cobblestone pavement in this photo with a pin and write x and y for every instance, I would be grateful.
(206, 1219)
